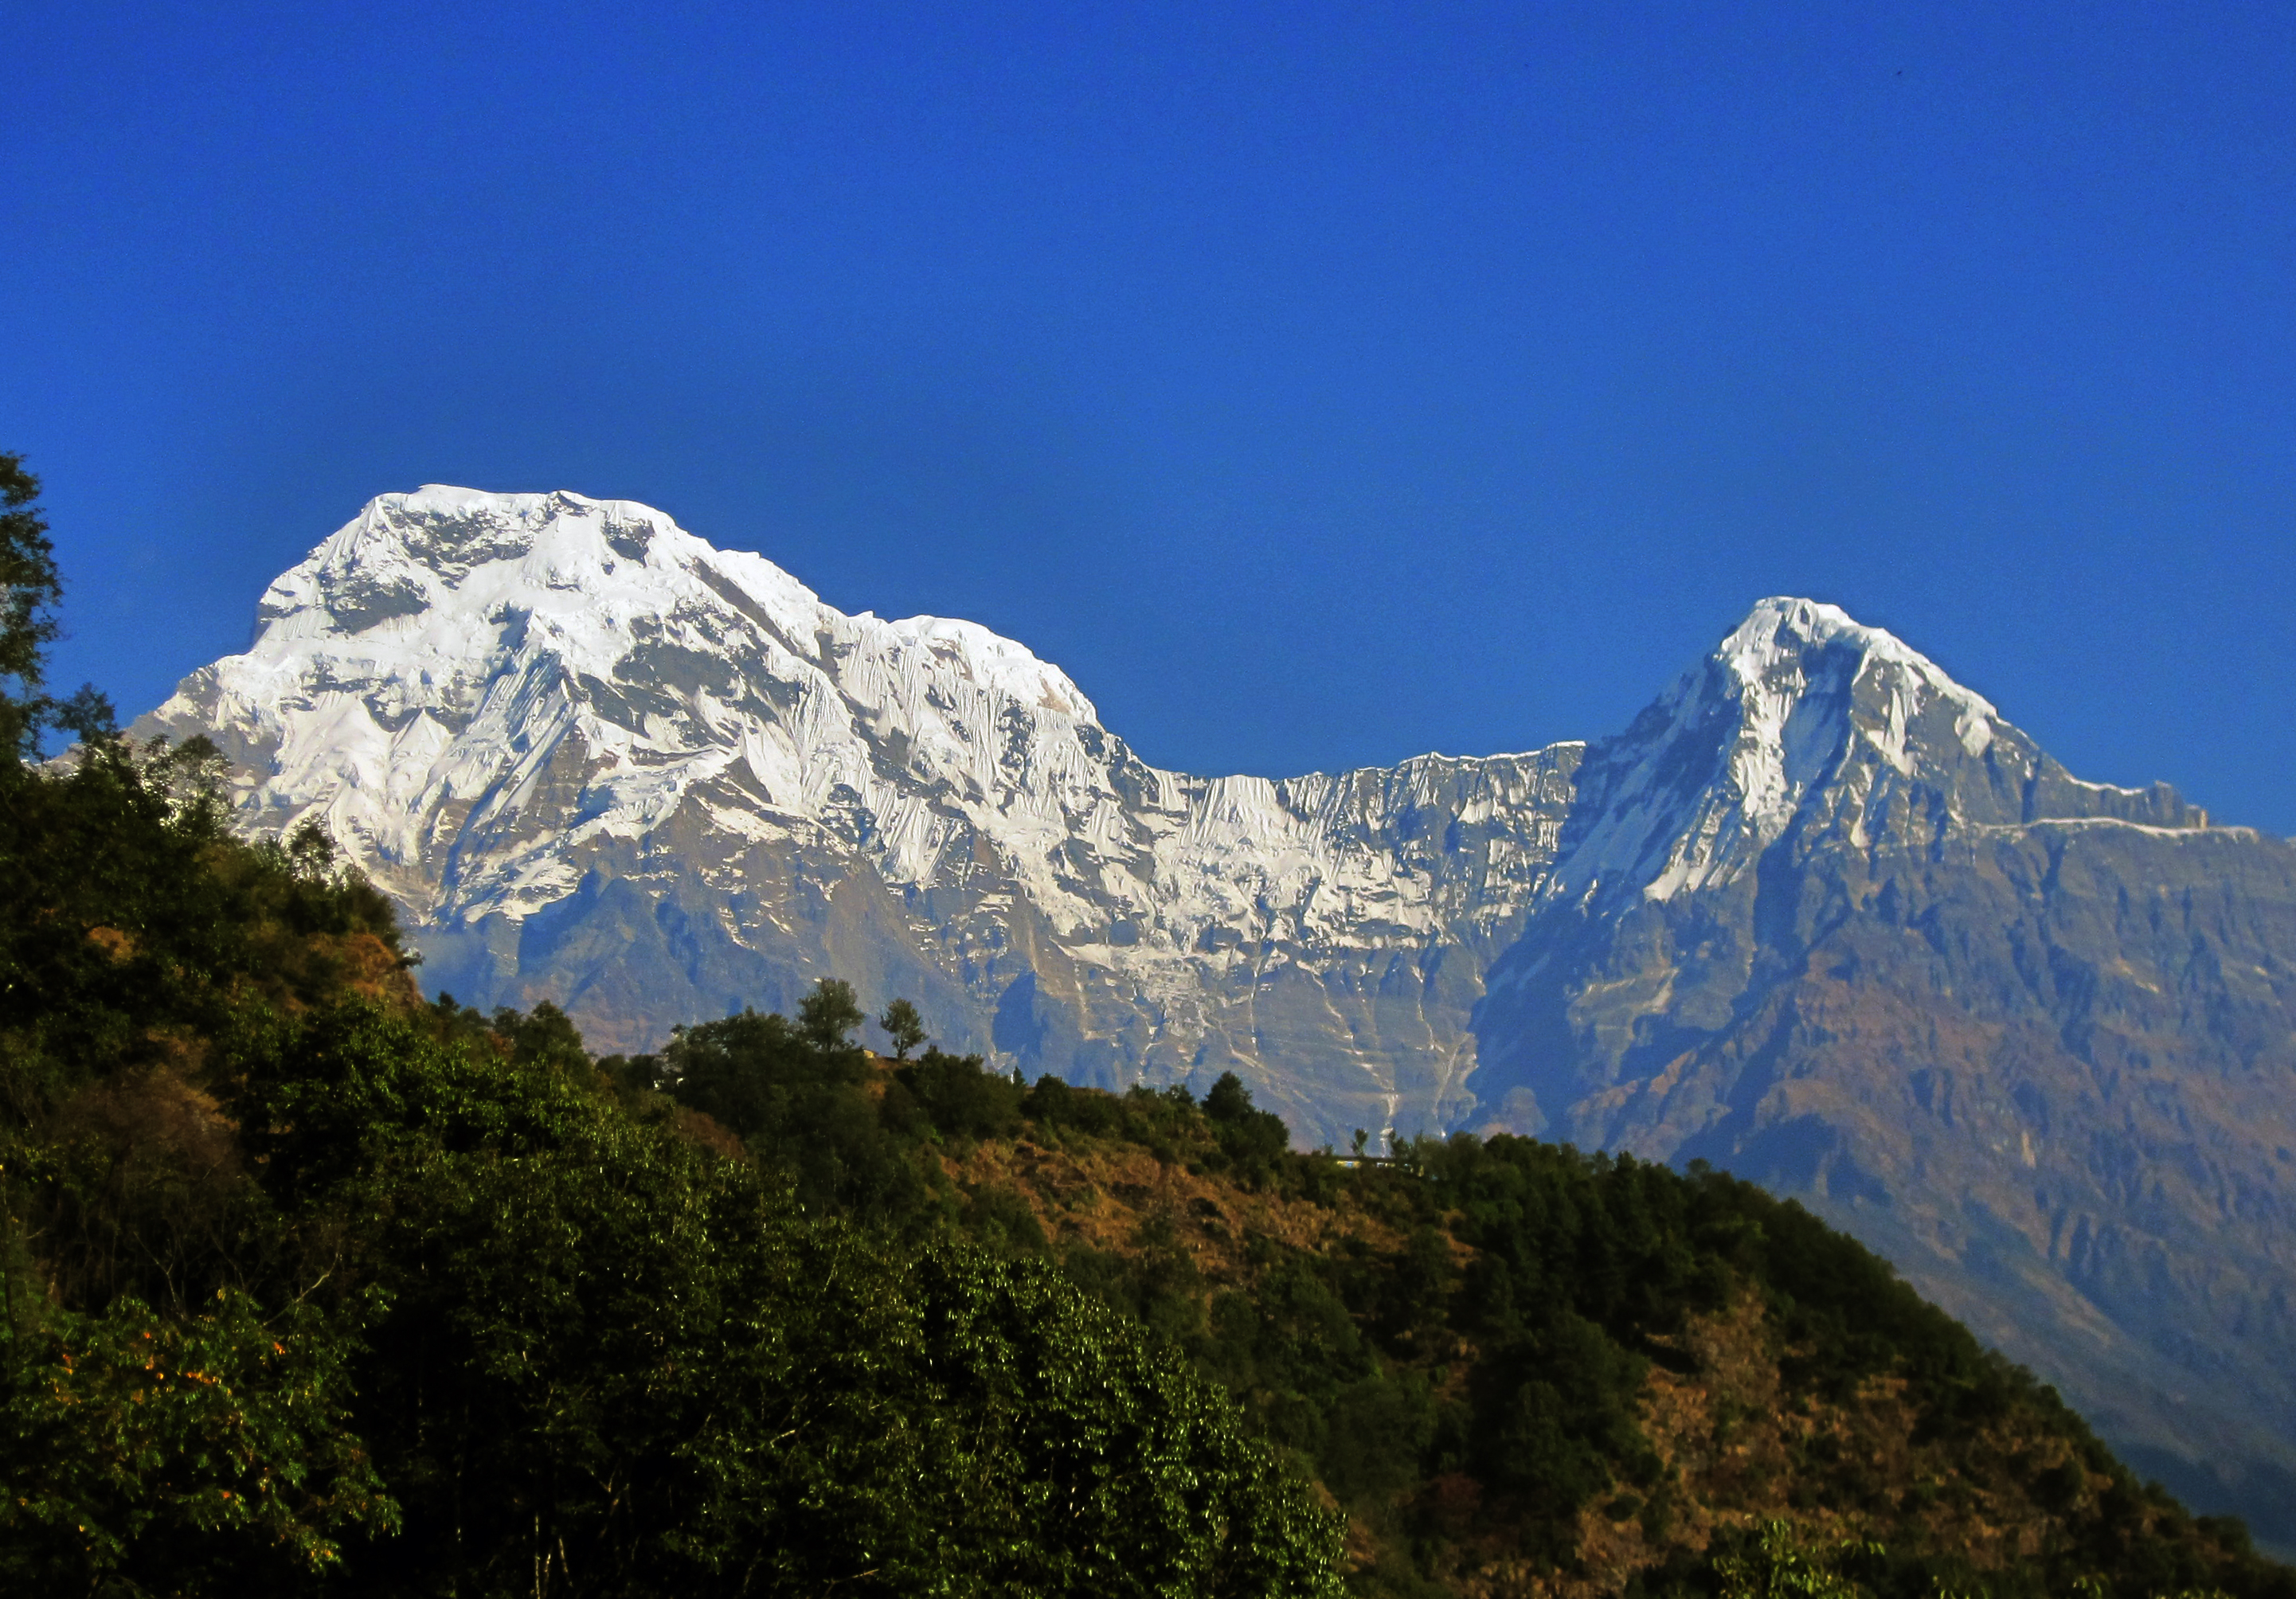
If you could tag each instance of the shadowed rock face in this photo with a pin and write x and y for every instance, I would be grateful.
(1820, 915)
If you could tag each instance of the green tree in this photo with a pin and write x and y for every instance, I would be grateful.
(1772, 1565)
(207, 1454)
(1251, 1142)
(904, 1026)
(827, 1017)
(798, 1103)
(29, 588)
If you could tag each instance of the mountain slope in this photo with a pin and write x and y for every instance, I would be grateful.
(1521, 1370)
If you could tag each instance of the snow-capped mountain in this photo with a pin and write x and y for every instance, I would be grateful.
(515, 710)
(600, 761)
(1804, 738)
(1804, 721)
(1820, 914)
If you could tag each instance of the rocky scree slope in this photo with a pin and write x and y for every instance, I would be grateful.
(1820, 914)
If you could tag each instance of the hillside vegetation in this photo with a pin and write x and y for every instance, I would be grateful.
(1518, 1368)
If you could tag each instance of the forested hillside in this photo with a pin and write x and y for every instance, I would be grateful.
(1516, 1367)
(311, 1286)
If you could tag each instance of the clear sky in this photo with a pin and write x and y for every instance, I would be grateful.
(1318, 384)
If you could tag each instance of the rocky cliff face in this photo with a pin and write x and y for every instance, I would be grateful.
(1820, 915)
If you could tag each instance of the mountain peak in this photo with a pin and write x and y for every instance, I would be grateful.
(1788, 649)
(1784, 626)
(450, 530)
(1800, 705)
(434, 568)
(1785, 630)
(443, 553)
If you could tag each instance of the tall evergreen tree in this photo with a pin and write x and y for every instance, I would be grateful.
(904, 1026)
(29, 588)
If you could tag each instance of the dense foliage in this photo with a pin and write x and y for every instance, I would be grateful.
(1466, 1366)
(304, 1284)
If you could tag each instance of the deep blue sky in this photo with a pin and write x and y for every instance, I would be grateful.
(1318, 384)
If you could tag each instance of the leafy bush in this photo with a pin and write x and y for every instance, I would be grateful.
(197, 1454)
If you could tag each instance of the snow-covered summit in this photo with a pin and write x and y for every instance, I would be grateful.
(1801, 717)
(1768, 652)
(453, 665)
(471, 688)
(429, 573)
